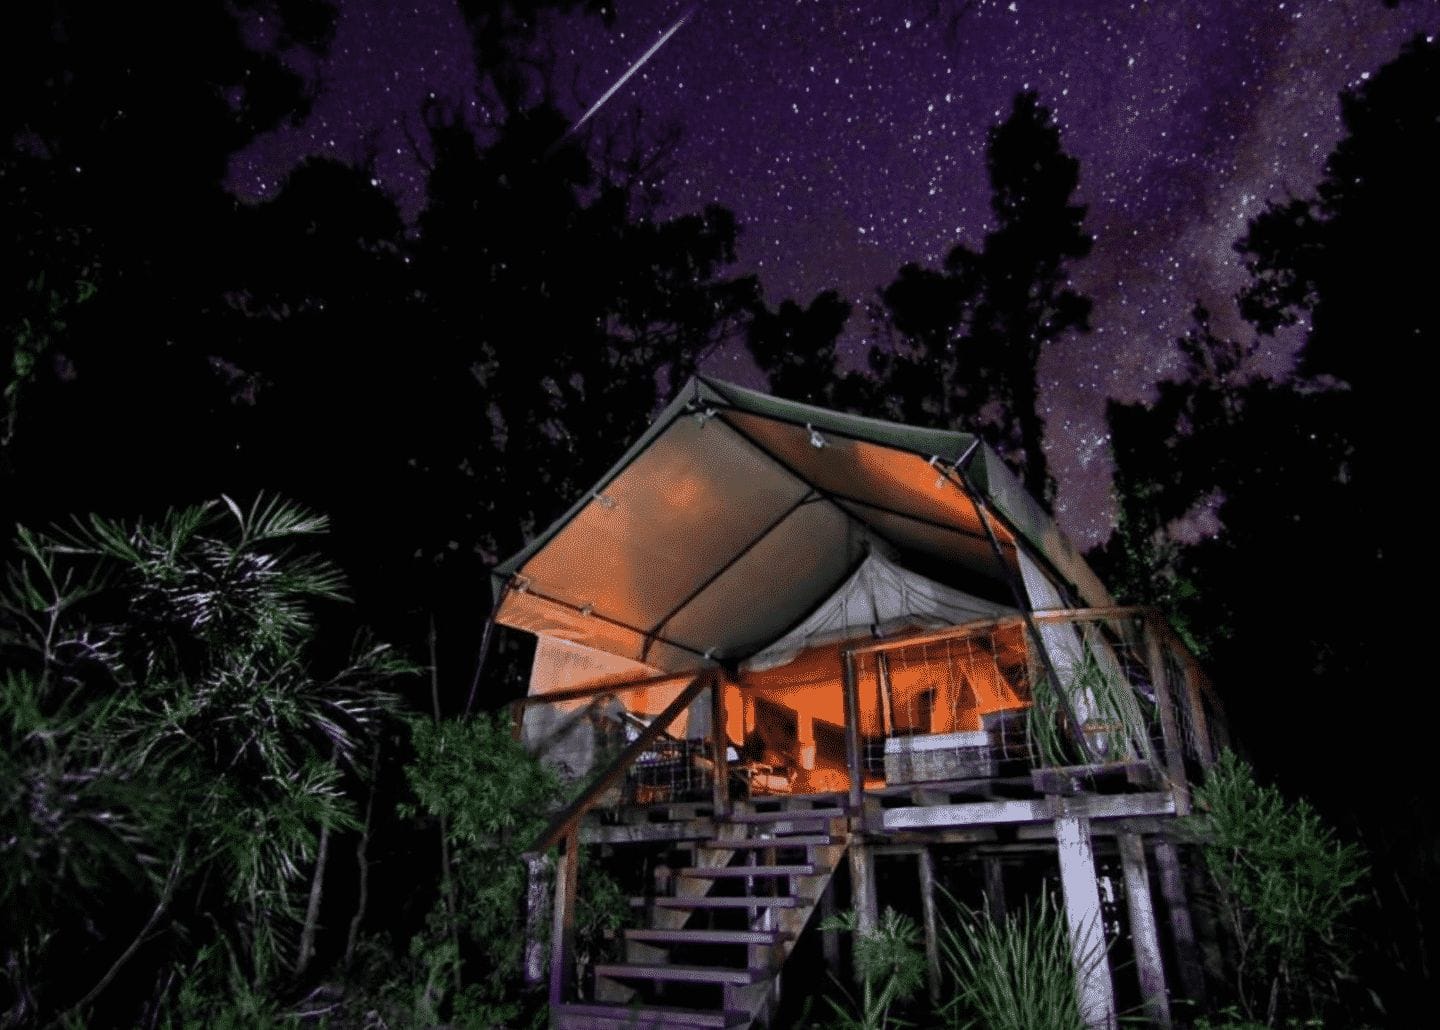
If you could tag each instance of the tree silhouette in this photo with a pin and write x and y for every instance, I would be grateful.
(796, 349)
(1303, 595)
(969, 337)
(120, 233)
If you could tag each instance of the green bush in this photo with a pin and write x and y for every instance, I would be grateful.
(1284, 885)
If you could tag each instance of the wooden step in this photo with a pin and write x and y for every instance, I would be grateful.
(681, 974)
(787, 815)
(640, 1017)
(707, 901)
(650, 936)
(737, 871)
(798, 840)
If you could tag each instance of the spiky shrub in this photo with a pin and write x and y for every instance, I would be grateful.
(1011, 974)
(169, 741)
(1284, 886)
(1097, 689)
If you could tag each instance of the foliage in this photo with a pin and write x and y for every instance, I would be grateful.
(969, 338)
(170, 744)
(493, 799)
(1285, 887)
(890, 965)
(796, 348)
(1223, 471)
(1094, 690)
(1015, 974)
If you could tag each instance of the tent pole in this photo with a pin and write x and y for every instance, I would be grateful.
(486, 637)
(1022, 600)
(852, 738)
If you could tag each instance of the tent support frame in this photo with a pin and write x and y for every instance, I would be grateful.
(956, 474)
(809, 496)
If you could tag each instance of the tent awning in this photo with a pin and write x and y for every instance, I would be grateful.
(736, 513)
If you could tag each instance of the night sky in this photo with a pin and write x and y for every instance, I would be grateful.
(849, 139)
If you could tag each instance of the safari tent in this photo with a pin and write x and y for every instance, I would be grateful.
(826, 634)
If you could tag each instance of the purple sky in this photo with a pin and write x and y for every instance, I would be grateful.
(849, 139)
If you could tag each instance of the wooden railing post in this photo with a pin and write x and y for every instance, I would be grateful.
(720, 746)
(568, 818)
(1173, 742)
(853, 757)
(1198, 718)
(562, 933)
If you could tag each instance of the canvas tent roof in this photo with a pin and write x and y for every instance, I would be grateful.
(736, 513)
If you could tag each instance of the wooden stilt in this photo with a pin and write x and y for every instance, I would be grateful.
(1182, 930)
(829, 939)
(994, 887)
(862, 889)
(932, 930)
(1142, 929)
(1087, 934)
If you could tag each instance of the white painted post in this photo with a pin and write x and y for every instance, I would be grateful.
(1082, 911)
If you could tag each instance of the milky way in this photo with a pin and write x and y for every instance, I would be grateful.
(849, 139)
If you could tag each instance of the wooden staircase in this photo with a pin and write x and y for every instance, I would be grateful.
(711, 949)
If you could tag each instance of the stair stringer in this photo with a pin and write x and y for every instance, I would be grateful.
(759, 1000)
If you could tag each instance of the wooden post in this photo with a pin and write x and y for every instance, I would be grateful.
(994, 887)
(516, 711)
(852, 740)
(720, 745)
(932, 931)
(1174, 743)
(562, 933)
(829, 939)
(882, 685)
(1082, 912)
(862, 887)
(1198, 718)
(537, 913)
(1187, 952)
(1142, 929)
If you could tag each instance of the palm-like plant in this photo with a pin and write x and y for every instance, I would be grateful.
(889, 965)
(163, 673)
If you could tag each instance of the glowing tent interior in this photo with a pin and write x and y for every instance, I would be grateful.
(761, 537)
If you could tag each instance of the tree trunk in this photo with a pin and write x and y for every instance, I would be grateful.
(312, 909)
(362, 860)
(447, 885)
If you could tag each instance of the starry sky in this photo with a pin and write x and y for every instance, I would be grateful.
(849, 139)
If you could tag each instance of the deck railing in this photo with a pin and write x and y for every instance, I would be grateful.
(1056, 690)
(650, 738)
(1053, 689)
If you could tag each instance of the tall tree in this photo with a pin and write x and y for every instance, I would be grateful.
(796, 348)
(969, 337)
(1304, 593)
(120, 234)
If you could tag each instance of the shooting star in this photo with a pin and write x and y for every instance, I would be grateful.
(632, 70)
